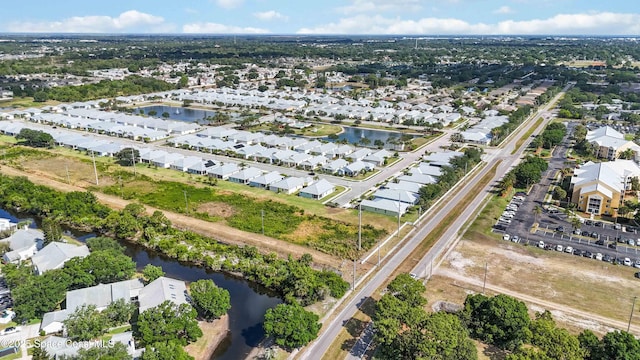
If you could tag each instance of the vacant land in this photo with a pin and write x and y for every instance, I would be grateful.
(581, 293)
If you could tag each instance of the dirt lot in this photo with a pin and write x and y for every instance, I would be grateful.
(581, 293)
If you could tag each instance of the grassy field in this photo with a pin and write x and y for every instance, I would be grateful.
(316, 130)
(349, 333)
(285, 217)
(26, 102)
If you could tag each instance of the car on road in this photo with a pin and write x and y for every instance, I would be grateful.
(9, 330)
(541, 244)
(626, 262)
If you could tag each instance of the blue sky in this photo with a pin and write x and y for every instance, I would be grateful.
(419, 17)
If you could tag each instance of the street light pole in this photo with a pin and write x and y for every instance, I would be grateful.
(360, 226)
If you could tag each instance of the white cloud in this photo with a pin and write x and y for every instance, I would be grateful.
(215, 28)
(128, 21)
(370, 6)
(604, 23)
(270, 15)
(229, 4)
(503, 10)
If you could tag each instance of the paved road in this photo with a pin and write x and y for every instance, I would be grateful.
(333, 328)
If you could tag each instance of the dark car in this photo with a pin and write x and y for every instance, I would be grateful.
(598, 224)
(637, 275)
(612, 245)
(595, 235)
(560, 229)
(587, 254)
(586, 233)
(607, 258)
(600, 242)
(549, 246)
(577, 252)
(588, 222)
(630, 229)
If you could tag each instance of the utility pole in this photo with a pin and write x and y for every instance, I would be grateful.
(398, 234)
(379, 246)
(95, 169)
(360, 226)
(631, 315)
(484, 283)
(133, 161)
(186, 202)
(262, 217)
(354, 274)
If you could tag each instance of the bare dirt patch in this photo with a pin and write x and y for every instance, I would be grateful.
(218, 209)
(304, 231)
(583, 293)
(212, 335)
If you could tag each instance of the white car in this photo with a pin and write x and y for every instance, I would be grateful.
(568, 250)
(598, 256)
(9, 330)
(506, 237)
(541, 244)
(637, 264)
(559, 247)
(515, 238)
(627, 262)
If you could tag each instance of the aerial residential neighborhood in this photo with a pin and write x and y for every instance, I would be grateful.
(340, 180)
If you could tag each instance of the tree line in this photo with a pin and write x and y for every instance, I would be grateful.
(526, 173)
(404, 330)
(294, 279)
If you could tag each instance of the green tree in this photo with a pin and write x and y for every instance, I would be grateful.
(151, 272)
(210, 300)
(166, 115)
(115, 351)
(590, 344)
(85, 323)
(109, 266)
(554, 342)
(119, 312)
(408, 290)
(627, 154)
(127, 156)
(501, 320)
(170, 350)
(559, 193)
(40, 96)
(291, 325)
(39, 353)
(168, 322)
(618, 345)
(100, 243)
(36, 138)
(51, 229)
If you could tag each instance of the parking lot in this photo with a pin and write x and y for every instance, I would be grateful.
(610, 242)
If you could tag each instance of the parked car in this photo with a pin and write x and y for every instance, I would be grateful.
(637, 275)
(627, 262)
(568, 250)
(600, 242)
(585, 233)
(587, 254)
(559, 247)
(612, 246)
(637, 264)
(541, 244)
(617, 226)
(515, 238)
(631, 242)
(588, 222)
(595, 235)
(10, 330)
(560, 229)
(576, 232)
(598, 224)
(549, 246)
(598, 256)
(607, 258)
(506, 237)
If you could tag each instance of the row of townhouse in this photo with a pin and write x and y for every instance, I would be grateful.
(399, 194)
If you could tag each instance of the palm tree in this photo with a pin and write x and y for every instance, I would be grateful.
(537, 210)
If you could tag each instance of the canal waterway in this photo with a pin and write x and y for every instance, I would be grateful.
(249, 301)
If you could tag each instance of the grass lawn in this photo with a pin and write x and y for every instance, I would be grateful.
(349, 333)
(527, 135)
(27, 102)
(629, 137)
